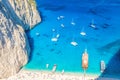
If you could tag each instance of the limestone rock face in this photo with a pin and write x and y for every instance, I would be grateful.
(15, 17)
(26, 12)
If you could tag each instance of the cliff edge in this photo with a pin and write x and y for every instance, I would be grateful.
(16, 16)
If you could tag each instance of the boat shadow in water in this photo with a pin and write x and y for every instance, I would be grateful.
(112, 69)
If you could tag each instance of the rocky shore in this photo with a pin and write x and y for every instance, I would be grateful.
(49, 75)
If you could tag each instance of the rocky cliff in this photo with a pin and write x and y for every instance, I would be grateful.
(16, 16)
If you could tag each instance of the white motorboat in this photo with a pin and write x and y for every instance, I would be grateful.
(74, 43)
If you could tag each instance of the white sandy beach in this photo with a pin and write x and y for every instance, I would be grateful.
(47, 75)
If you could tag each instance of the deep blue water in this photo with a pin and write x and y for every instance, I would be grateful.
(102, 43)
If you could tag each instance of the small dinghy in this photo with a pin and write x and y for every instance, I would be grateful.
(62, 25)
(92, 25)
(58, 35)
(60, 17)
(63, 71)
(37, 34)
(54, 68)
(47, 65)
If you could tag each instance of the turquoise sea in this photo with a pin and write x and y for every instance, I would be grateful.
(66, 19)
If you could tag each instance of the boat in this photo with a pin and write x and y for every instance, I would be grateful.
(58, 35)
(60, 17)
(54, 39)
(72, 22)
(83, 33)
(54, 68)
(62, 25)
(53, 30)
(92, 24)
(74, 43)
(47, 65)
(85, 60)
(102, 66)
(63, 71)
(37, 34)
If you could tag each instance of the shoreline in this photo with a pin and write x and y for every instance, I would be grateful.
(28, 74)
(65, 72)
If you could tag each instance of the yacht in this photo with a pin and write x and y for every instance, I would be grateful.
(83, 33)
(92, 24)
(72, 23)
(74, 43)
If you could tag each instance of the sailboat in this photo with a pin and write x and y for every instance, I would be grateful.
(72, 22)
(83, 33)
(55, 37)
(74, 43)
(92, 24)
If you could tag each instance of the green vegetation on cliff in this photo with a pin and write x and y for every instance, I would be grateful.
(33, 3)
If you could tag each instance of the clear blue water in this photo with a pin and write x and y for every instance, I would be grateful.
(102, 43)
